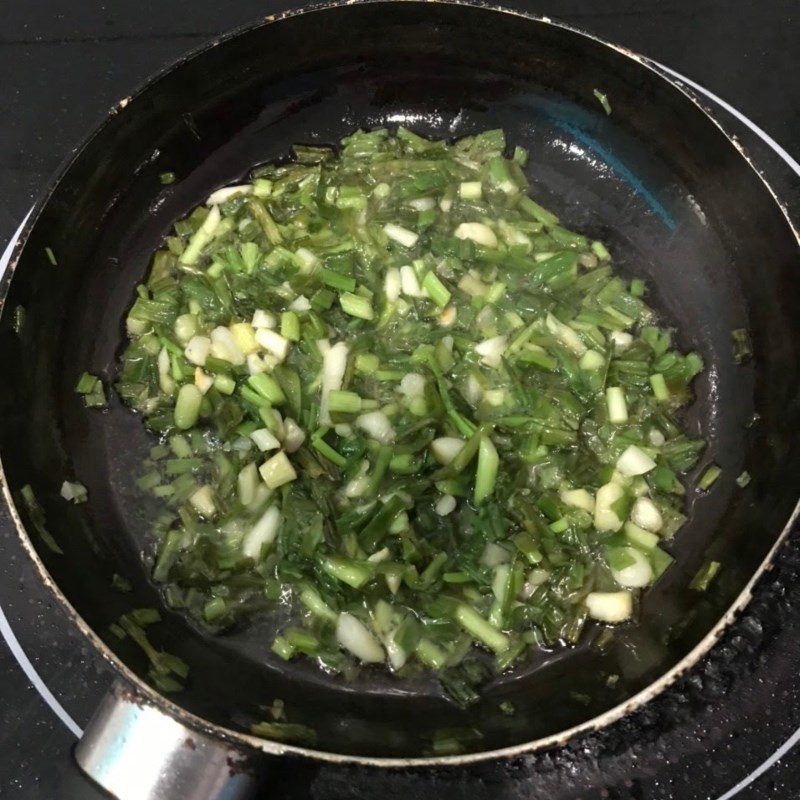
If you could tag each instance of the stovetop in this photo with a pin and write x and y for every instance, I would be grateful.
(728, 729)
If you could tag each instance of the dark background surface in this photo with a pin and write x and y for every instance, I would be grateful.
(63, 65)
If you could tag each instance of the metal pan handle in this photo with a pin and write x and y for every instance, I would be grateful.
(135, 751)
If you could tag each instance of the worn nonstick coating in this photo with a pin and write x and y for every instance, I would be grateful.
(657, 180)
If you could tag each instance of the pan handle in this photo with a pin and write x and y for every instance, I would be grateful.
(135, 751)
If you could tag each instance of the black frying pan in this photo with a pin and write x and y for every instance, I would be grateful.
(658, 180)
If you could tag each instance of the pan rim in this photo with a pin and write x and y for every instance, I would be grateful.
(275, 748)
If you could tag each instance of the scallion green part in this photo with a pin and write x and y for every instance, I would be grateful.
(356, 306)
(603, 100)
(709, 477)
(705, 575)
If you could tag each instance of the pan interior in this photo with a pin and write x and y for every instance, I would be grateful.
(656, 180)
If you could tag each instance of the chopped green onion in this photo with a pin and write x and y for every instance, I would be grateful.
(403, 410)
(743, 479)
(603, 100)
(659, 386)
(742, 347)
(486, 473)
(436, 290)
(322, 447)
(481, 629)
(267, 387)
(344, 402)
(706, 574)
(356, 306)
(290, 326)
(617, 405)
(187, 406)
(709, 477)
(336, 281)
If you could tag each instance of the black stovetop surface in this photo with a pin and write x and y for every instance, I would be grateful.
(63, 65)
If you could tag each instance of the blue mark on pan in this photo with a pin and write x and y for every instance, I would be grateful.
(574, 120)
(619, 167)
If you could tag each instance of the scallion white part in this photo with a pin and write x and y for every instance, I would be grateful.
(578, 498)
(612, 607)
(493, 554)
(379, 555)
(262, 534)
(202, 380)
(536, 577)
(409, 282)
(355, 637)
(262, 319)
(386, 621)
(655, 437)
(185, 327)
(277, 470)
(300, 303)
(400, 235)
(273, 342)
(376, 425)
(293, 435)
(203, 502)
(262, 494)
(74, 492)
(646, 515)
(445, 505)
(247, 482)
(617, 405)
(636, 575)
(566, 335)
(334, 364)
(308, 260)
(495, 397)
(256, 364)
(412, 385)
(605, 518)
(244, 335)
(224, 346)
(392, 285)
(165, 380)
(265, 440)
(226, 193)
(446, 448)
(472, 286)
(492, 350)
(621, 339)
(591, 360)
(470, 190)
(356, 487)
(634, 461)
(477, 232)
(447, 317)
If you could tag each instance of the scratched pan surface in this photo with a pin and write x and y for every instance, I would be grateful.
(657, 180)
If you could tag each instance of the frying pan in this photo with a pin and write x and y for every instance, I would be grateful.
(658, 180)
